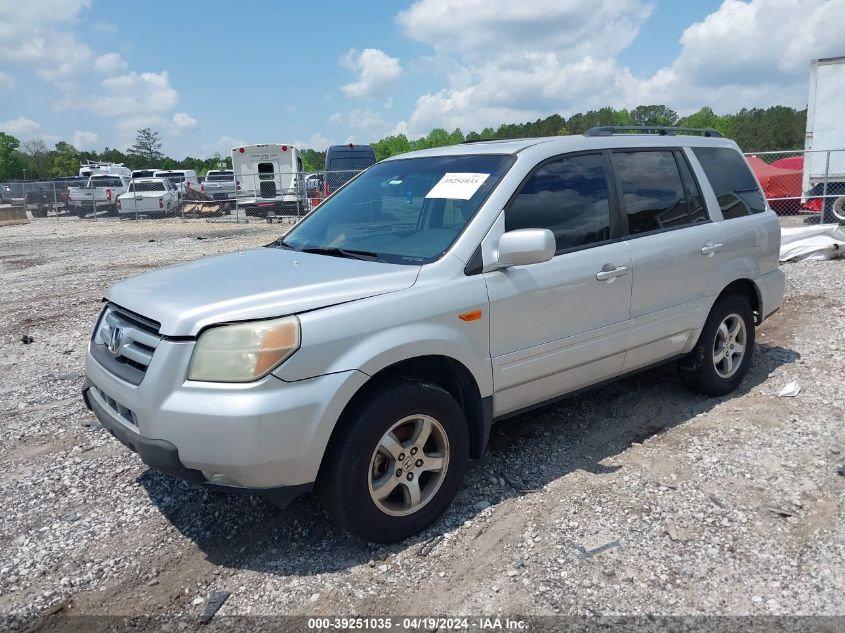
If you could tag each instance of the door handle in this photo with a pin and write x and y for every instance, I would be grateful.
(610, 272)
(710, 248)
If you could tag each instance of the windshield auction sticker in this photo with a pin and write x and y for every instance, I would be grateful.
(457, 186)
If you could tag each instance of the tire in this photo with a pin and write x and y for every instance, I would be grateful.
(834, 211)
(362, 459)
(700, 370)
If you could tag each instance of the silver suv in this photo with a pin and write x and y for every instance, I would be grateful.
(367, 353)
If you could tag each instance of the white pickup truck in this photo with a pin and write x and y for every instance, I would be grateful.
(98, 195)
(148, 197)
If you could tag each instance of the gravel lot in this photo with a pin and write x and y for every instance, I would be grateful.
(637, 498)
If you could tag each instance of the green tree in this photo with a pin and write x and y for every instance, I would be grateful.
(653, 115)
(148, 146)
(10, 162)
(312, 160)
(36, 157)
(391, 146)
(65, 160)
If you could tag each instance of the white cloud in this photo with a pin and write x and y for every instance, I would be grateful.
(478, 28)
(317, 142)
(336, 118)
(224, 145)
(85, 140)
(7, 82)
(510, 65)
(377, 72)
(20, 127)
(184, 121)
(36, 34)
(110, 63)
(132, 94)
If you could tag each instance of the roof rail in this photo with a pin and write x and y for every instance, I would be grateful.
(662, 130)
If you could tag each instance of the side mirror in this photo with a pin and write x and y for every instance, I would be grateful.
(525, 246)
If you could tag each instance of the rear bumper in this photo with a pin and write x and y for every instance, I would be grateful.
(163, 456)
(772, 286)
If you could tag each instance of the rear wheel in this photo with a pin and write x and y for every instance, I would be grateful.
(720, 358)
(398, 464)
(834, 211)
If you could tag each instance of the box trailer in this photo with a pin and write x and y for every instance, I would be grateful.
(267, 179)
(824, 162)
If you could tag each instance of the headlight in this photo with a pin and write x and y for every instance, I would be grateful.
(245, 351)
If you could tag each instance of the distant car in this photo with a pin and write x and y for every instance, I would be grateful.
(98, 195)
(181, 179)
(343, 162)
(148, 197)
(39, 198)
(5, 194)
(220, 184)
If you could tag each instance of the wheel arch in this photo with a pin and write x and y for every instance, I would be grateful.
(747, 288)
(444, 371)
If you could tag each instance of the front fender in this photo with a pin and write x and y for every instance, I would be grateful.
(372, 334)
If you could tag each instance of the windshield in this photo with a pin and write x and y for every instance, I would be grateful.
(106, 182)
(354, 162)
(220, 177)
(403, 211)
(146, 186)
(143, 173)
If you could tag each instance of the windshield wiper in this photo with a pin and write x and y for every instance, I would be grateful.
(282, 244)
(343, 252)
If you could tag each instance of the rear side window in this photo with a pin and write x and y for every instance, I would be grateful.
(567, 196)
(732, 181)
(653, 193)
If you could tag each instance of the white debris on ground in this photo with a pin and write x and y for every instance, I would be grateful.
(815, 242)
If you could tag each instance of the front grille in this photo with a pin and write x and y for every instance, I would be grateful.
(124, 343)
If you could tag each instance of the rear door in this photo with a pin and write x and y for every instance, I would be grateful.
(677, 252)
(562, 324)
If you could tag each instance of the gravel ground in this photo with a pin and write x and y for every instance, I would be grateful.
(636, 498)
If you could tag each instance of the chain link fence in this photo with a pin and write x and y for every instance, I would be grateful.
(282, 197)
(801, 187)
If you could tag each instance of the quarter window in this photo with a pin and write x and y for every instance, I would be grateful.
(732, 181)
(652, 190)
(567, 196)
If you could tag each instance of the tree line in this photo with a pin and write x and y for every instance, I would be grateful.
(754, 129)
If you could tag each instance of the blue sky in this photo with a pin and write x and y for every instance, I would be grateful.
(212, 75)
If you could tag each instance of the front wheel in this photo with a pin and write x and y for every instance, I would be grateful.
(720, 358)
(398, 463)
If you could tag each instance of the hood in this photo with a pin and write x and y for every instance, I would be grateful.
(255, 284)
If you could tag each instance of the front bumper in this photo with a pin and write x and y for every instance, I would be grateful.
(256, 438)
(163, 456)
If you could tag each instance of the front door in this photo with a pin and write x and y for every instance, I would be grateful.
(562, 324)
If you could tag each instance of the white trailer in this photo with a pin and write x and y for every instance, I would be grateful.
(267, 179)
(824, 161)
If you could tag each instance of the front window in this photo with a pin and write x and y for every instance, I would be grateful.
(407, 211)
